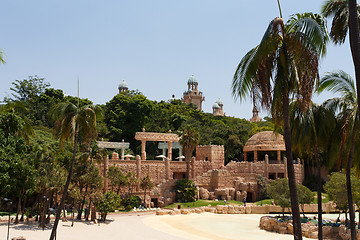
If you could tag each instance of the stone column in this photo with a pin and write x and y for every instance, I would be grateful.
(138, 167)
(279, 157)
(266, 173)
(106, 166)
(245, 156)
(170, 151)
(193, 167)
(167, 168)
(143, 149)
(255, 156)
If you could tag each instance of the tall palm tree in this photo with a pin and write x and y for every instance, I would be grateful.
(311, 134)
(345, 17)
(77, 124)
(190, 138)
(284, 65)
(347, 105)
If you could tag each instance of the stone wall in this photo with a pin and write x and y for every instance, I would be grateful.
(212, 153)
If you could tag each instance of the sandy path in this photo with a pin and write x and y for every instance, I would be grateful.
(206, 226)
(122, 226)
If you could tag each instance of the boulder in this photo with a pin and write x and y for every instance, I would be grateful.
(204, 193)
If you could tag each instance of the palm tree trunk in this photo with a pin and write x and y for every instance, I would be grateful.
(319, 198)
(66, 187)
(348, 187)
(355, 44)
(290, 169)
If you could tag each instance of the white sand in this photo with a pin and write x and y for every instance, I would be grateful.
(214, 226)
(151, 227)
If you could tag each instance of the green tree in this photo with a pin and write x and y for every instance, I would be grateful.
(279, 191)
(185, 191)
(284, 64)
(336, 190)
(146, 184)
(27, 89)
(107, 203)
(73, 123)
(306, 196)
(346, 105)
(189, 140)
(117, 178)
(312, 132)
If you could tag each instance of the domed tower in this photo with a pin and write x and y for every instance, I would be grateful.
(255, 117)
(193, 95)
(123, 87)
(218, 108)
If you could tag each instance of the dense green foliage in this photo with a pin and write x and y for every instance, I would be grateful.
(107, 203)
(131, 202)
(185, 191)
(279, 191)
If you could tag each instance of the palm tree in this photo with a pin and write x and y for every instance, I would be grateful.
(190, 138)
(311, 133)
(146, 184)
(284, 65)
(77, 124)
(347, 105)
(345, 17)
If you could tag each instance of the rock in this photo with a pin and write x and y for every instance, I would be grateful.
(243, 186)
(204, 193)
(238, 196)
(185, 211)
(160, 203)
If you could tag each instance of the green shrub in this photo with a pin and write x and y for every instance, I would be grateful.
(185, 191)
(131, 202)
(107, 203)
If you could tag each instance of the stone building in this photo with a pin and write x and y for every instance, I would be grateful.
(236, 180)
(255, 117)
(218, 108)
(193, 95)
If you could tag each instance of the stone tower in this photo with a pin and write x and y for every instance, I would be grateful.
(193, 95)
(123, 87)
(255, 117)
(218, 108)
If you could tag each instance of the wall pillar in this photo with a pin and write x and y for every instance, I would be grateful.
(138, 167)
(167, 168)
(143, 150)
(279, 157)
(170, 151)
(255, 156)
(266, 173)
(245, 156)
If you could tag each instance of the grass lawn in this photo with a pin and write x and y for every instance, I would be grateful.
(325, 199)
(201, 203)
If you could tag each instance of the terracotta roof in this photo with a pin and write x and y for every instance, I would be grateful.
(265, 141)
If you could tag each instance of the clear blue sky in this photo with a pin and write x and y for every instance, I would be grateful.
(154, 45)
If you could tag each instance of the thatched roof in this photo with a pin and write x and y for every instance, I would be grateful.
(265, 141)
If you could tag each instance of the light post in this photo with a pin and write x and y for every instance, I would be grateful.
(8, 204)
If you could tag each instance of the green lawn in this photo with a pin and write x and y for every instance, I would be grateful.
(325, 199)
(201, 203)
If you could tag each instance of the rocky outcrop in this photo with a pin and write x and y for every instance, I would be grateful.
(273, 224)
